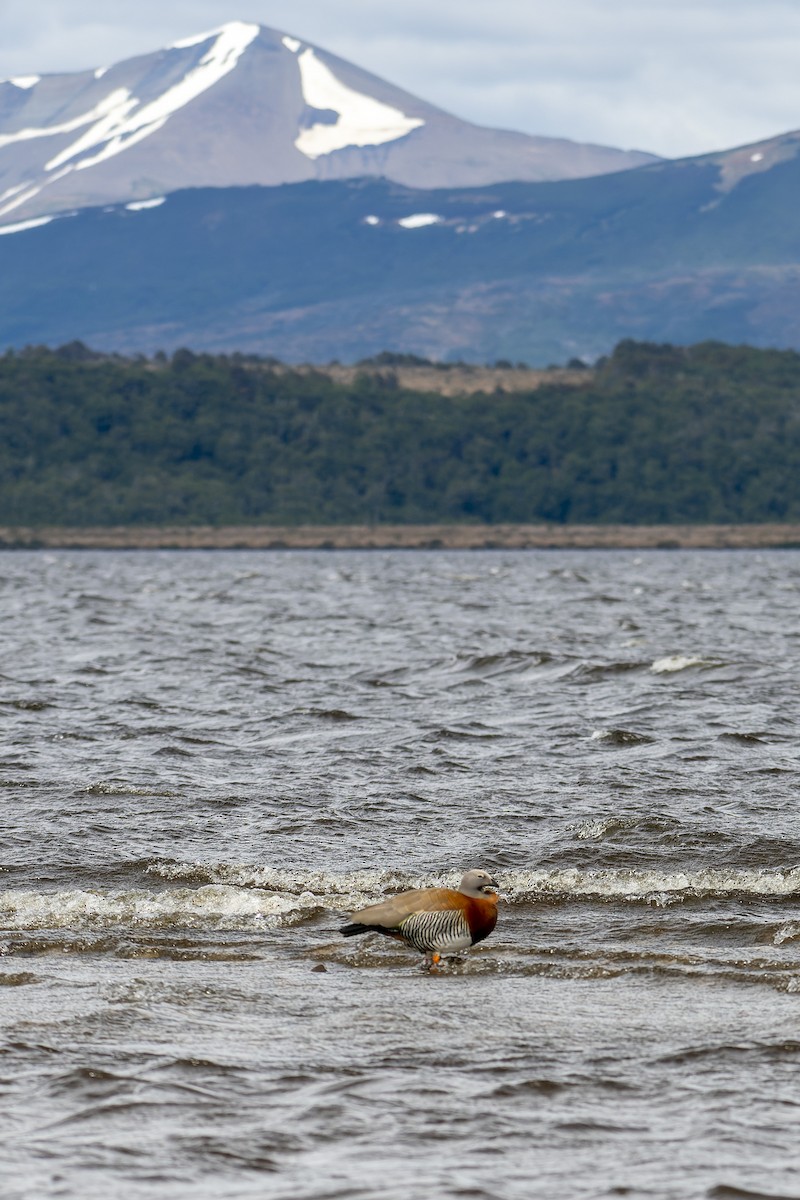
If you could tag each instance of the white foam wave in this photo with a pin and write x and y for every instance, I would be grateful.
(600, 827)
(229, 896)
(788, 932)
(679, 662)
(655, 886)
(329, 889)
(262, 897)
(212, 906)
(341, 891)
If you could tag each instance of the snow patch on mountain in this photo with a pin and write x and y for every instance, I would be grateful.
(100, 110)
(20, 226)
(291, 44)
(24, 81)
(361, 121)
(419, 220)
(138, 205)
(12, 191)
(123, 123)
(233, 29)
(121, 120)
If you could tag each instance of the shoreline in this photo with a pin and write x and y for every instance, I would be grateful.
(402, 537)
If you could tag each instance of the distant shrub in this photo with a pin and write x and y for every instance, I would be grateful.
(388, 358)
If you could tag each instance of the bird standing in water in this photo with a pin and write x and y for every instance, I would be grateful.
(435, 921)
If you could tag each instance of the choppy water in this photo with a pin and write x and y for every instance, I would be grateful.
(207, 757)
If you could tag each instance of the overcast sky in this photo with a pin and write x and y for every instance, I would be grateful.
(672, 76)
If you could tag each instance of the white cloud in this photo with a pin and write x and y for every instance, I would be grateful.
(676, 77)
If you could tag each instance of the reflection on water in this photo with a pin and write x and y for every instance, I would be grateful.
(207, 758)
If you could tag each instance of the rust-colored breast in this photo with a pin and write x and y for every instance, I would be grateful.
(481, 916)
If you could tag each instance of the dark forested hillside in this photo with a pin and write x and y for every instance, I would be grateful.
(656, 434)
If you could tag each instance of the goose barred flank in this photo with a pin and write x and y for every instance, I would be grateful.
(440, 931)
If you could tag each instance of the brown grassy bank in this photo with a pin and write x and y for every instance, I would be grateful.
(461, 379)
(456, 537)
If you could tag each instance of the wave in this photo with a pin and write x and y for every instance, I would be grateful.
(508, 662)
(600, 827)
(123, 789)
(788, 932)
(520, 886)
(621, 737)
(336, 885)
(228, 896)
(745, 739)
(237, 896)
(214, 906)
(681, 662)
(653, 886)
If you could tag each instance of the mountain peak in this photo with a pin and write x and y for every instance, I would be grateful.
(239, 33)
(244, 104)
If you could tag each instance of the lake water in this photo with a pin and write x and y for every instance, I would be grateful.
(208, 758)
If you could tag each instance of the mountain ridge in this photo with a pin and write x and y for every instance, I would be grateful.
(246, 104)
(317, 271)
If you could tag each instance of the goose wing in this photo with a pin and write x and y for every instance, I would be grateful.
(391, 913)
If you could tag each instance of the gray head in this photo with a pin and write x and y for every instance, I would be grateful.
(477, 883)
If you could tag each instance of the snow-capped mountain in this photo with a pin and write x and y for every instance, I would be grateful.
(139, 210)
(244, 105)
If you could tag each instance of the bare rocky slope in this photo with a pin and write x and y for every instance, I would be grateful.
(243, 105)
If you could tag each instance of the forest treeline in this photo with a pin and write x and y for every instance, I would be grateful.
(656, 434)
